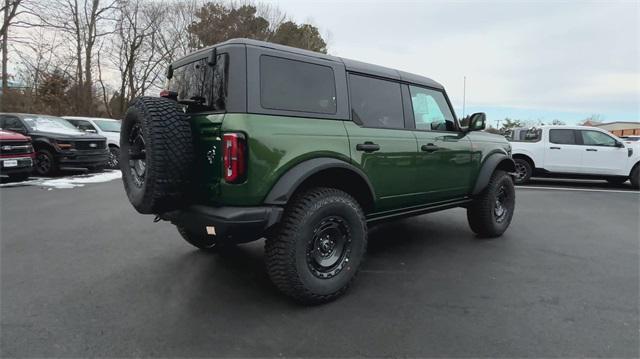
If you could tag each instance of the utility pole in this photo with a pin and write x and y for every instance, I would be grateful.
(498, 124)
(464, 95)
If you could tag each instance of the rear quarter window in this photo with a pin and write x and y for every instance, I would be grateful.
(292, 85)
(562, 137)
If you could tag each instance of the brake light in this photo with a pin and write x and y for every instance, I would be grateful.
(169, 94)
(234, 158)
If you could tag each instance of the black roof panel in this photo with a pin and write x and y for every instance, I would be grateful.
(350, 65)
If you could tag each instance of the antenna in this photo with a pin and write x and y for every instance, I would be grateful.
(464, 94)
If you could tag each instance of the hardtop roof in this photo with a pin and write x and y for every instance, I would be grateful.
(350, 65)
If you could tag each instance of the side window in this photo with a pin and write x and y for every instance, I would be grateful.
(596, 138)
(375, 102)
(83, 125)
(562, 137)
(12, 124)
(292, 85)
(431, 110)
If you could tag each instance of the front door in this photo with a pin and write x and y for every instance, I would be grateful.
(379, 143)
(443, 161)
(601, 155)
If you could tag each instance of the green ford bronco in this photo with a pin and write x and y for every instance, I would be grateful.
(255, 140)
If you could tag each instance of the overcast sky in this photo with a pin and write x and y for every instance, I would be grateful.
(528, 60)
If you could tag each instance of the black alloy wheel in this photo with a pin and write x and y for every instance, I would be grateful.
(328, 251)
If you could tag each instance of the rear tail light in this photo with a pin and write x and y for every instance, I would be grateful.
(169, 94)
(234, 157)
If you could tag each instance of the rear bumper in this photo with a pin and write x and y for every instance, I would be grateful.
(234, 224)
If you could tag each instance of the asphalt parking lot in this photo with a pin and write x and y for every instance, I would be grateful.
(84, 275)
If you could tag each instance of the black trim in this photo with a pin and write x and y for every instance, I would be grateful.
(284, 188)
(237, 224)
(413, 211)
(488, 167)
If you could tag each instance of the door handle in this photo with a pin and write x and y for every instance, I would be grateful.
(429, 147)
(554, 148)
(592, 150)
(367, 147)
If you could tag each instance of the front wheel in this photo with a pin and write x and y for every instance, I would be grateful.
(635, 180)
(315, 253)
(45, 163)
(114, 158)
(490, 213)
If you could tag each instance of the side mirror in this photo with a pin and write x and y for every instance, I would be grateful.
(619, 144)
(477, 122)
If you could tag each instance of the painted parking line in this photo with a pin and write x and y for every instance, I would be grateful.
(578, 189)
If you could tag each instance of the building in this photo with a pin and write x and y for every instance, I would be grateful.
(620, 128)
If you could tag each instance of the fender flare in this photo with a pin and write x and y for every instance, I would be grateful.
(289, 182)
(489, 166)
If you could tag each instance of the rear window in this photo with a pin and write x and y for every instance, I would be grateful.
(525, 135)
(292, 85)
(562, 137)
(200, 86)
(375, 102)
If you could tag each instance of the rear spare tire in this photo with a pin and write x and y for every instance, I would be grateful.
(156, 155)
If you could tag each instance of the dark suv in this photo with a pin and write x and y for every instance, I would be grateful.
(58, 143)
(258, 140)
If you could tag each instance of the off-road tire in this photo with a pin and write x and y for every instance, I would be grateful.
(525, 166)
(481, 213)
(287, 249)
(45, 155)
(635, 174)
(202, 240)
(168, 155)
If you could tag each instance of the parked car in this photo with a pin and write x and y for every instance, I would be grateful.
(575, 152)
(307, 150)
(630, 139)
(58, 144)
(106, 127)
(16, 155)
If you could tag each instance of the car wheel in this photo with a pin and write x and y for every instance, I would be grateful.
(490, 214)
(45, 164)
(314, 254)
(634, 177)
(202, 241)
(523, 171)
(617, 181)
(156, 156)
(114, 158)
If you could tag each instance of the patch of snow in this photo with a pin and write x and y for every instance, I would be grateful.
(68, 182)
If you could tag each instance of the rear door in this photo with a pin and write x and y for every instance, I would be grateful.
(563, 153)
(443, 161)
(601, 154)
(379, 142)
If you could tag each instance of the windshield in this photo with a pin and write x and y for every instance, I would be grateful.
(200, 86)
(51, 124)
(108, 126)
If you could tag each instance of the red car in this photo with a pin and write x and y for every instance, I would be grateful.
(16, 155)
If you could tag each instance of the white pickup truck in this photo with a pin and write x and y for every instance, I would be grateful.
(574, 152)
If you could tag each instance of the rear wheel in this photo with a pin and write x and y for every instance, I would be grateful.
(315, 253)
(490, 213)
(524, 170)
(45, 164)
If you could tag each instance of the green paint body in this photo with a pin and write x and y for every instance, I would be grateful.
(402, 175)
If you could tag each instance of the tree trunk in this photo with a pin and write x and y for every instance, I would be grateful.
(5, 74)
